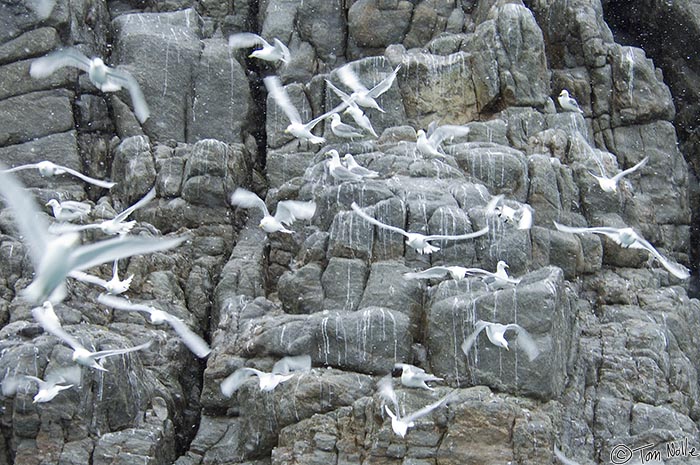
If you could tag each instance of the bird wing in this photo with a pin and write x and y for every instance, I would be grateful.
(192, 340)
(87, 278)
(64, 375)
(45, 66)
(32, 226)
(469, 341)
(48, 320)
(40, 382)
(443, 132)
(75, 206)
(289, 211)
(478, 233)
(676, 269)
(343, 96)
(385, 388)
(619, 175)
(245, 40)
(427, 409)
(490, 209)
(385, 84)
(122, 304)
(9, 385)
(375, 222)
(525, 221)
(274, 87)
(65, 228)
(525, 341)
(94, 254)
(20, 168)
(350, 79)
(292, 363)
(286, 55)
(246, 199)
(112, 352)
(150, 195)
(608, 231)
(430, 273)
(78, 174)
(236, 379)
(128, 81)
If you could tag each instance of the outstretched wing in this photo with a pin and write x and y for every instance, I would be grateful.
(385, 388)
(87, 278)
(274, 87)
(78, 174)
(447, 131)
(245, 40)
(608, 231)
(350, 79)
(375, 222)
(128, 81)
(676, 269)
(385, 84)
(150, 195)
(619, 175)
(246, 199)
(430, 273)
(288, 211)
(192, 340)
(45, 66)
(112, 352)
(525, 341)
(478, 233)
(292, 363)
(236, 379)
(427, 409)
(48, 320)
(97, 253)
(469, 341)
(286, 55)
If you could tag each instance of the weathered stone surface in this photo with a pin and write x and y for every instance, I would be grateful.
(24, 117)
(133, 162)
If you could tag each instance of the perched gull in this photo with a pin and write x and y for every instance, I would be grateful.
(102, 76)
(495, 333)
(341, 129)
(114, 286)
(414, 377)
(54, 256)
(337, 170)
(428, 145)
(361, 95)
(610, 184)
(500, 278)
(277, 52)
(282, 371)
(193, 341)
(114, 226)
(56, 381)
(287, 212)
(296, 127)
(418, 241)
(48, 168)
(353, 110)
(455, 272)
(68, 210)
(355, 168)
(400, 424)
(521, 217)
(628, 238)
(568, 103)
(47, 318)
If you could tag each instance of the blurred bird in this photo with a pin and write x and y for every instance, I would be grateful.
(610, 184)
(48, 168)
(429, 144)
(628, 238)
(282, 371)
(355, 168)
(353, 110)
(361, 95)
(192, 340)
(56, 381)
(48, 320)
(414, 377)
(114, 286)
(69, 210)
(500, 278)
(419, 242)
(568, 103)
(102, 76)
(522, 217)
(288, 211)
(496, 334)
(277, 52)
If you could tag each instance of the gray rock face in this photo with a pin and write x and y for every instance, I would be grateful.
(616, 333)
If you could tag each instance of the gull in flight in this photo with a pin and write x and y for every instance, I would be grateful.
(341, 129)
(418, 241)
(337, 170)
(193, 341)
(282, 371)
(114, 286)
(116, 225)
(102, 76)
(496, 332)
(69, 210)
(361, 95)
(353, 110)
(568, 103)
(296, 127)
(48, 320)
(429, 144)
(55, 382)
(522, 217)
(287, 212)
(414, 377)
(610, 184)
(277, 52)
(48, 168)
(628, 238)
(55, 256)
(400, 424)
(500, 277)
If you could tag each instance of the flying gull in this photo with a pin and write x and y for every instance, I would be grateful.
(102, 76)
(496, 332)
(277, 52)
(114, 286)
(522, 217)
(414, 377)
(353, 110)
(361, 95)
(610, 184)
(429, 144)
(49, 168)
(282, 371)
(287, 212)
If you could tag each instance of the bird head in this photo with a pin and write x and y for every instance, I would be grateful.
(564, 93)
(52, 203)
